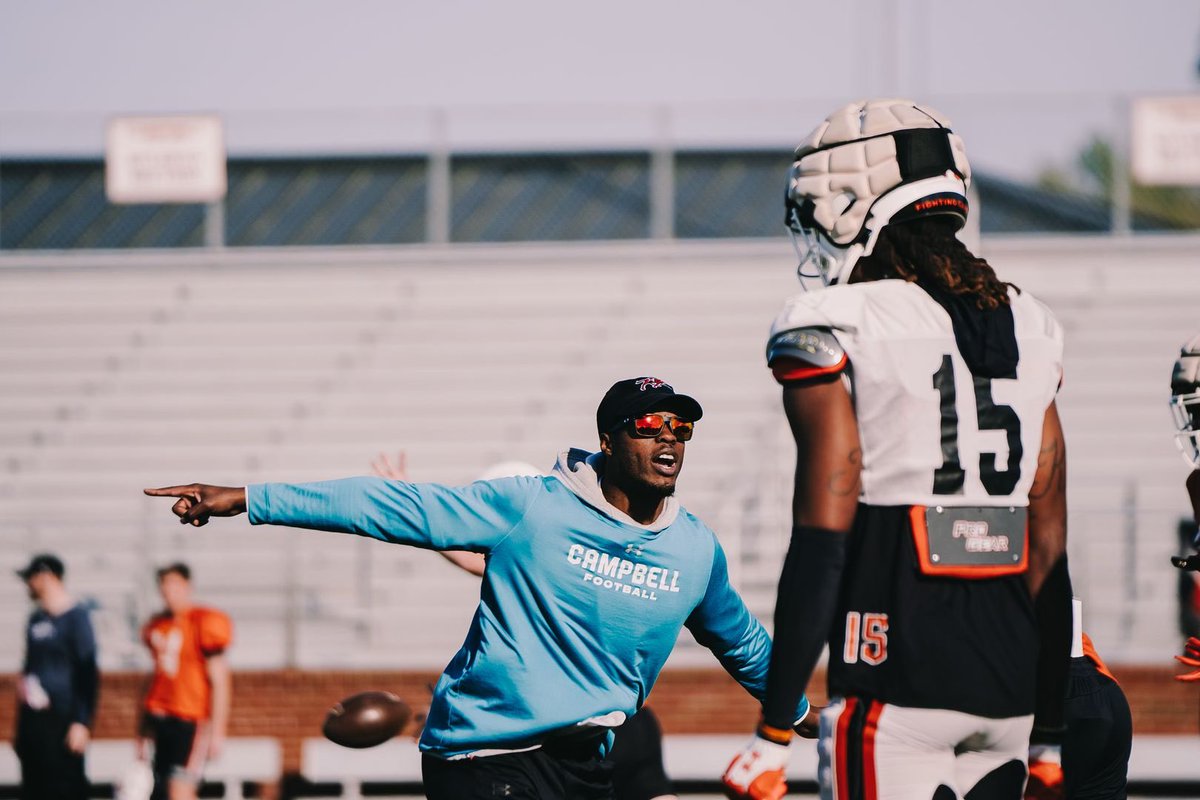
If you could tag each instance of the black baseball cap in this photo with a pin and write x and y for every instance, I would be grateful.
(42, 562)
(636, 396)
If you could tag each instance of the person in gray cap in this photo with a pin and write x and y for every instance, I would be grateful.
(56, 696)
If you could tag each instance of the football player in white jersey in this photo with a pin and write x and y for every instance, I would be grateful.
(929, 517)
(1185, 406)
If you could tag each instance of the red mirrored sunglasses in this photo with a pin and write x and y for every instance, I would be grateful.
(647, 426)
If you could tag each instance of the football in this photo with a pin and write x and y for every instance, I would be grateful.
(366, 719)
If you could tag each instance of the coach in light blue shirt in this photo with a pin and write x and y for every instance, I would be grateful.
(591, 573)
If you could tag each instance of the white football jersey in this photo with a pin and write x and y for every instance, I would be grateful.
(931, 433)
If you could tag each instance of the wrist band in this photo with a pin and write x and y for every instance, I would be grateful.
(776, 735)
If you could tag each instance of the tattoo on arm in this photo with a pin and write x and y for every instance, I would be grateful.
(848, 480)
(1053, 458)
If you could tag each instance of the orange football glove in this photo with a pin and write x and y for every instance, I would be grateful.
(1191, 658)
(1045, 773)
(757, 773)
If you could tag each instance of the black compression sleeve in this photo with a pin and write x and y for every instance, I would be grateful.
(1053, 610)
(804, 608)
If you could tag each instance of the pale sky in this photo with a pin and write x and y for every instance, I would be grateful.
(1024, 80)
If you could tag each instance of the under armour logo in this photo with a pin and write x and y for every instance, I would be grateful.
(633, 549)
(652, 383)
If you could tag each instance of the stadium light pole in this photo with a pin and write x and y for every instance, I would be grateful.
(1121, 211)
(662, 178)
(214, 225)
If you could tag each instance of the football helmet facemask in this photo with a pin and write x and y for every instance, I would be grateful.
(870, 163)
(1185, 401)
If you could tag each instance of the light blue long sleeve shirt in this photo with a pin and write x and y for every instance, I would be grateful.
(578, 610)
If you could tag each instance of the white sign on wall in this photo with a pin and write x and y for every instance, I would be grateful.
(1166, 141)
(165, 160)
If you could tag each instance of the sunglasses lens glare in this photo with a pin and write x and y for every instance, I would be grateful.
(682, 430)
(648, 425)
(652, 424)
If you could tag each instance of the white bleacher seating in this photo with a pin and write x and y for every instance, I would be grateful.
(397, 761)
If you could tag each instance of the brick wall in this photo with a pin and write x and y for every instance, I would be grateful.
(291, 704)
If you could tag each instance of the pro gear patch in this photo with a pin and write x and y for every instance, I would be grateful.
(971, 542)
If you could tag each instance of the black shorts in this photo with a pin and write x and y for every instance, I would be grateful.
(177, 746)
(1095, 751)
(573, 771)
(636, 757)
(49, 771)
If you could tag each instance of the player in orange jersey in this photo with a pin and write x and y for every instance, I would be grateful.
(186, 708)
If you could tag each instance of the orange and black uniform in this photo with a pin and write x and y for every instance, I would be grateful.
(179, 701)
(1095, 749)
(937, 666)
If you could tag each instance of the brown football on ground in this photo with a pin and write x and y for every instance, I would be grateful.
(366, 719)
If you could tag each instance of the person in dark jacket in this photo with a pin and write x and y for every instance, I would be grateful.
(56, 696)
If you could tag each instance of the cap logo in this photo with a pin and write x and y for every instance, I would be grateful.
(652, 383)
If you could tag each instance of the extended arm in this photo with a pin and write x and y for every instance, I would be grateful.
(1049, 584)
(828, 468)
(723, 624)
(824, 501)
(426, 515)
(825, 497)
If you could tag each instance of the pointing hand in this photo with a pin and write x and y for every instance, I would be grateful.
(197, 501)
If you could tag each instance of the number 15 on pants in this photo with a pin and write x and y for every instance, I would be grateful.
(866, 638)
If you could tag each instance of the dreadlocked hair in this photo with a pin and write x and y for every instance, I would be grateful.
(925, 251)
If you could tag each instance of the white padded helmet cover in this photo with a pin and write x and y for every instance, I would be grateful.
(848, 162)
